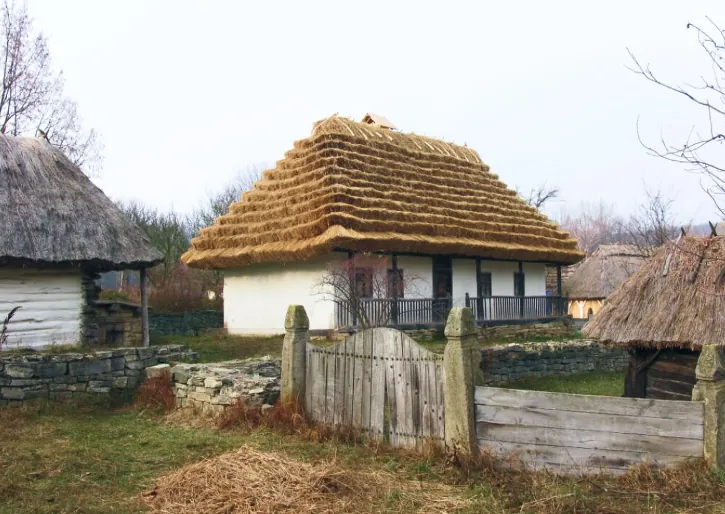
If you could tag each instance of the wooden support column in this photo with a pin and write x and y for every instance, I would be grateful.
(145, 340)
(394, 305)
(561, 308)
(523, 287)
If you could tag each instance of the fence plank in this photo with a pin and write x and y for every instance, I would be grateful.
(330, 394)
(592, 439)
(377, 385)
(348, 357)
(357, 385)
(440, 410)
(427, 370)
(689, 411)
(585, 420)
(577, 459)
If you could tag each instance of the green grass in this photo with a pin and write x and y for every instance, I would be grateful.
(601, 383)
(222, 347)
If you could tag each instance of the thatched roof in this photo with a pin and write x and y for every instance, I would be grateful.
(53, 214)
(675, 300)
(600, 274)
(360, 187)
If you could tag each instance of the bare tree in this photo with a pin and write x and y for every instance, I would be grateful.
(217, 203)
(594, 224)
(366, 290)
(32, 99)
(701, 151)
(652, 224)
(539, 195)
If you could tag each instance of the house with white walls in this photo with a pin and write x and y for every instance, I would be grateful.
(360, 222)
(58, 231)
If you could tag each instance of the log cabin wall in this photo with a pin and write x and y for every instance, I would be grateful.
(661, 374)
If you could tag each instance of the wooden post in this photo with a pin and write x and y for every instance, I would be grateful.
(294, 355)
(523, 287)
(458, 362)
(394, 306)
(635, 381)
(144, 307)
(560, 307)
(710, 389)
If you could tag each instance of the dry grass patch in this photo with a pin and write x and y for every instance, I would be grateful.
(251, 481)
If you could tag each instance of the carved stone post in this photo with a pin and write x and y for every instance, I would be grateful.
(710, 389)
(462, 335)
(294, 354)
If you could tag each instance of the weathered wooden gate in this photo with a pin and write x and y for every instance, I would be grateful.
(381, 382)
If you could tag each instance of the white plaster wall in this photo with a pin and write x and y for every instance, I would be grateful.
(256, 297)
(502, 276)
(417, 275)
(464, 280)
(50, 306)
(535, 278)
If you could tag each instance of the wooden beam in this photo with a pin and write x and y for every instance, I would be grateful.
(559, 291)
(144, 307)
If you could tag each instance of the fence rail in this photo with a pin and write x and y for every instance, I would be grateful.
(505, 308)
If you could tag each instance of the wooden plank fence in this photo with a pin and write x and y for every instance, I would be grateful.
(581, 433)
(381, 382)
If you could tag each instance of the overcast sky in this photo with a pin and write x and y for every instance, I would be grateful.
(184, 94)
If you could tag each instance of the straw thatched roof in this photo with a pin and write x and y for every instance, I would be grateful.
(675, 300)
(53, 214)
(600, 274)
(359, 187)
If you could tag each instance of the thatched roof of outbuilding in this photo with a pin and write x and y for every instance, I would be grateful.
(51, 213)
(675, 300)
(598, 275)
(363, 187)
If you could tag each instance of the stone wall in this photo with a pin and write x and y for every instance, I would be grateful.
(511, 362)
(59, 376)
(529, 331)
(187, 323)
(210, 388)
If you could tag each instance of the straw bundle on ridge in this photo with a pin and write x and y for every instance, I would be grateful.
(53, 213)
(675, 300)
(250, 481)
(355, 187)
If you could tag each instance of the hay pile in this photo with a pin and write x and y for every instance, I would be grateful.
(357, 187)
(250, 481)
(675, 300)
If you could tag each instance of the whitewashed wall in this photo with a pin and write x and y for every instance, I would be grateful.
(51, 305)
(256, 297)
(535, 276)
(418, 275)
(464, 280)
(502, 276)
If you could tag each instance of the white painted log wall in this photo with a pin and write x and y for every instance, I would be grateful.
(51, 306)
(581, 433)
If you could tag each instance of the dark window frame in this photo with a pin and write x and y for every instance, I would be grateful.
(395, 283)
(485, 281)
(519, 283)
(364, 283)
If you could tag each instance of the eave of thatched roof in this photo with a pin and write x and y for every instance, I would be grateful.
(675, 304)
(600, 274)
(359, 187)
(52, 214)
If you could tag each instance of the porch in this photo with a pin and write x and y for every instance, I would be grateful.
(433, 312)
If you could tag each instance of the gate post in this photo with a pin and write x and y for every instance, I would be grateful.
(461, 332)
(294, 355)
(710, 388)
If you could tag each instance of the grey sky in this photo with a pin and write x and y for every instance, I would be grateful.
(184, 94)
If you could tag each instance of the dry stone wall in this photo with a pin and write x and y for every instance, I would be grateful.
(187, 323)
(60, 376)
(507, 363)
(212, 387)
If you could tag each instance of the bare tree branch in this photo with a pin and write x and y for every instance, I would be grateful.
(539, 195)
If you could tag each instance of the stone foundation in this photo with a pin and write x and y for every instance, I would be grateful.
(61, 376)
(529, 331)
(210, 388)
(511, 362)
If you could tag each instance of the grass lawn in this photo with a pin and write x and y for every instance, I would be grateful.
(89, 460)
(602, 383)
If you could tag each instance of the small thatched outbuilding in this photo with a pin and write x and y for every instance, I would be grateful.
(597, 276)
(664, 313)
(57, 232)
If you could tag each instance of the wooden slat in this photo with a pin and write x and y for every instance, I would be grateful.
(657, 372)
(640, 407)
(339, 385)
(311, 402)
(377, 385)
(350, 399)
(592, 439)
(577, 459)
(673, 386)
(330, 364)
(360, 362)
(427, 375)
(396, 391)
(660, 394)
(585, 420)
(440, 410)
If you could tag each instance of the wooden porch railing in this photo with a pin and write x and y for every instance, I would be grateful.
(509, 308)
(401, 312)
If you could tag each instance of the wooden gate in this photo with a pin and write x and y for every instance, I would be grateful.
(381, 382)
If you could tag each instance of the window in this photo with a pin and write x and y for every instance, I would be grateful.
(364, 282)
(519, 280)
(484, 284)
(395, 283)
